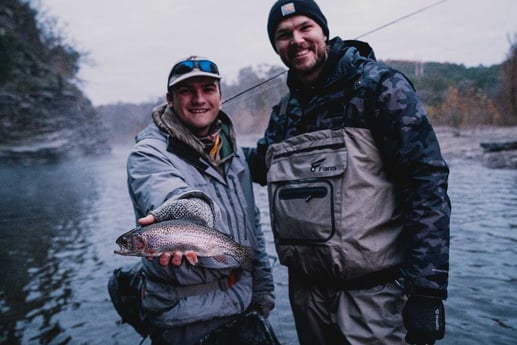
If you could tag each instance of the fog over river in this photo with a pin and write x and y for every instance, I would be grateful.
(59, 221)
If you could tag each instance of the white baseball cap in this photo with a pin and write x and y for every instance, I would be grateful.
(193, 66)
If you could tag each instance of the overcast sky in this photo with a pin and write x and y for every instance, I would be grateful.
(132, 44)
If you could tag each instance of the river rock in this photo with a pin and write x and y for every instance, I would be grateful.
(492, 146)
(499, 146)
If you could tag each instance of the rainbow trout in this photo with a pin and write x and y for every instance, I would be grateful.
(182, 235)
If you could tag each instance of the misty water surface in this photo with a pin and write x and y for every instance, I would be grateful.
(59, 221)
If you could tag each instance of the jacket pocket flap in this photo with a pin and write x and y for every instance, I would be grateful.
(325, 155)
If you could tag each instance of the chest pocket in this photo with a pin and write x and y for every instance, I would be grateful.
(305, 185)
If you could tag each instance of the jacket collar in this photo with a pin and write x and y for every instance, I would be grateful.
(167, 121)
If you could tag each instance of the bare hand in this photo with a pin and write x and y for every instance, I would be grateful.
(176, 258)
(149, 219)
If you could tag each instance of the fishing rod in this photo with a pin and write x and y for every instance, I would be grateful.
(238, 94)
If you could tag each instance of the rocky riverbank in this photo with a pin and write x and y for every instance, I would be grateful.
(466, 143)
(43, 112)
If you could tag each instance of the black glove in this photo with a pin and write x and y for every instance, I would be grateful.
(424, 319)
(263, 302)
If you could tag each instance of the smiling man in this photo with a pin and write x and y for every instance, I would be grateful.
(196, 101)
(357, 190)
(186, 165)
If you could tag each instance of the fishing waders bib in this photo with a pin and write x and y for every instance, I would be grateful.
(337, 229)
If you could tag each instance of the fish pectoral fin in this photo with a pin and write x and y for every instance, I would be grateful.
(191, 257)
(221, 258)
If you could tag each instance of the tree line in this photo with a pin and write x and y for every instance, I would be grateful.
(453, 94)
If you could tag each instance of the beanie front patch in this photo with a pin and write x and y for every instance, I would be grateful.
(287, 9)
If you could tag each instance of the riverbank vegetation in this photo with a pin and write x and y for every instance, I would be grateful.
(38, 73)
(454, 95)
(43, 111)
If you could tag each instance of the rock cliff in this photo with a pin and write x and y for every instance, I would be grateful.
(43, 114)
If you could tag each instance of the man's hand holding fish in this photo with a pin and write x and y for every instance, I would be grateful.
(182, 227)
(179, 209)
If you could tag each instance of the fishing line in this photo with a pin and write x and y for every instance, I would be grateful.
(399, 19)
(360, 36)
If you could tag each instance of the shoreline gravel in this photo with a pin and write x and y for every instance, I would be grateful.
(466, 143)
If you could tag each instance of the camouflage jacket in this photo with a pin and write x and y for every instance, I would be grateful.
(355, 91)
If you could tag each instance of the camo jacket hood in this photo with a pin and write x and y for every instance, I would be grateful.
(355, 91)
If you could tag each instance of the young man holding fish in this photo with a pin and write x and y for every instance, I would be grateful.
(186, 169)
(357, 190)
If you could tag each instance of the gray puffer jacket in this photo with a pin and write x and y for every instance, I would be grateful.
(167, 162)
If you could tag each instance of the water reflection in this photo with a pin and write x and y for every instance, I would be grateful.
(50, 220)
(483, 267)
(59, 222)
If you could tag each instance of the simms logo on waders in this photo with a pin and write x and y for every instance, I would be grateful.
(316, 166)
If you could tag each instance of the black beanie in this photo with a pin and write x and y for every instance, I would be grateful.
(286, 8)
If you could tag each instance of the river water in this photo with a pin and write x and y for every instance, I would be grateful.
(59, 221)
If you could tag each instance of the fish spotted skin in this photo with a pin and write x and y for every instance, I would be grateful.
(182, 235)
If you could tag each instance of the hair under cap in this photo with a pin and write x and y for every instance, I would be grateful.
(286, 8)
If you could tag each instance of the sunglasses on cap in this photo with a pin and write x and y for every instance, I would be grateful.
(189, 65)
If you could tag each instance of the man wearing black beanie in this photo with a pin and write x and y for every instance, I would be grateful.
(282, 9)
(357, 190)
